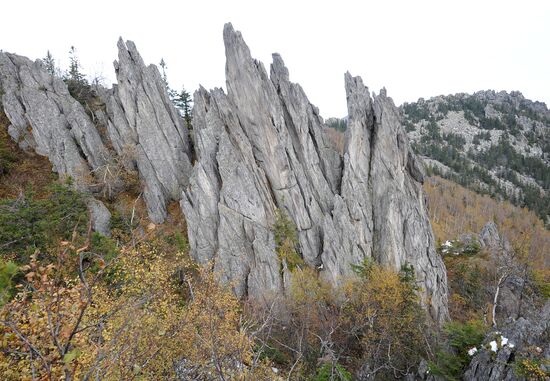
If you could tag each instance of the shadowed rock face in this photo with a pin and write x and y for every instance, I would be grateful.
(262, 147)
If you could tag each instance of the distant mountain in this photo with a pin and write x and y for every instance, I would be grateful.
(494, 143)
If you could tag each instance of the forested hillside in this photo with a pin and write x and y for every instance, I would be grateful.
(455, 210)
(493, 143)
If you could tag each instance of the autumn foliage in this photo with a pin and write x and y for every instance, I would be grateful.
(144, 321)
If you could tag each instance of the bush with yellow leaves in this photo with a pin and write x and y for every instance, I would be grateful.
(142, 322)
(382, 310)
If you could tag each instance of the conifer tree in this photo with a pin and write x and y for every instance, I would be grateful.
(74, 67)
(49, 63)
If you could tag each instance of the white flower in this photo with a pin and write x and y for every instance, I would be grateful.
(448, 243)
(275, 370)
(503, 340)
(494, 346)
(511, 345)
(472, 351)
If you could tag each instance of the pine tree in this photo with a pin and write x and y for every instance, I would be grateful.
(182, 101)
(74, 67)
(76, 81)
(163, 67)
(49, 63)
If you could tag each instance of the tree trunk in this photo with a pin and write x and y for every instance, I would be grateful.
(495, 299)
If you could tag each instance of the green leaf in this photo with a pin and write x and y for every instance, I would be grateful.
(71, 355)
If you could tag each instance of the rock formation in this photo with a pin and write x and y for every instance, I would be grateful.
(261, 146)
(144, 130)
(143, 120)
(46, 118)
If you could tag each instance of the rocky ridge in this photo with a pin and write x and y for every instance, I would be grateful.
(258, 149)
(262, 147)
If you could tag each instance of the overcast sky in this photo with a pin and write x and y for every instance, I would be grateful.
(413, 48)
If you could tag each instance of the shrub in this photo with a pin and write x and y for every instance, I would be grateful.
(8, 271)
(332, 372)
(365, 268)
(27, 223)
(541, 279)
(286, 240)
(181, 242)
(460, 337)
(531, 369)
(7, 156)
(383, 310)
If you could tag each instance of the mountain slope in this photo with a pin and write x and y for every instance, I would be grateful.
(493, 143)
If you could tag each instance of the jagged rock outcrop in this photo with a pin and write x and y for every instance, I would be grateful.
(527, 338)
(46, 118)
(143, 121)
(258, 148)
(491, 239)
(262, 147)
(144, 130)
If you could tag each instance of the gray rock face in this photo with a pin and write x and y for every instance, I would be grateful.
(44, 117)
(528, 337)
(262, 147)
(143, 120)
(143, 128)
(490, 238)
(47, 119)
(401, 231)
(258, 148)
